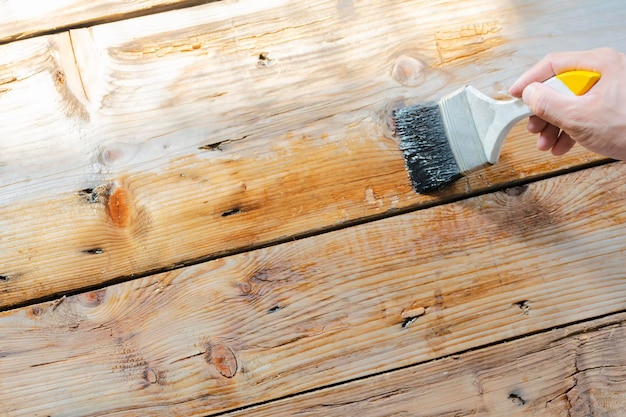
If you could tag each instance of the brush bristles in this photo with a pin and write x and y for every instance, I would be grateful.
(427, 154)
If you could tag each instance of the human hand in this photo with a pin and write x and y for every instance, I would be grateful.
(595, 120)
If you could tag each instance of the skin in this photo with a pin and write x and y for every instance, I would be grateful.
(595, 120)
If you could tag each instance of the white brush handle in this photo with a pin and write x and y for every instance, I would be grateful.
(507, 114)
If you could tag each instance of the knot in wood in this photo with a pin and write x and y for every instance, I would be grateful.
(224, 360)
(118, 207)
(93, 298)
(150, 376)
(408, 71)
(245, 287)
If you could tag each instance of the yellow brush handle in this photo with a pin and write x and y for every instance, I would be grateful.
(579, 81)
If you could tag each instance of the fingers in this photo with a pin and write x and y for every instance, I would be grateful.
(595, 120)
(535, 124)
(548, 137)
(550, 108)
(551, 138)
(563, 144)
(548, 104)
(557, 63)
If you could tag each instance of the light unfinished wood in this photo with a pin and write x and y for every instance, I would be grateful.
(133, 95)
(318, 311)
(141, 144)
(576, 371)
(21, 19)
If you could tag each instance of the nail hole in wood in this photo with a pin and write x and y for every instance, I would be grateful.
(96, 195)
(408, 321)
(89, 194)
(516, 399)
(523, 305)
(515, 191)
(231, 212)
(4, 278)
(274, 309)
(264, 60)
(411, 315)
(94, 251)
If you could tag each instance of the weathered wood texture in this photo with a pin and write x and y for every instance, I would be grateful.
(330, 308)
(208, 130)
(577, 371)
(21, 19)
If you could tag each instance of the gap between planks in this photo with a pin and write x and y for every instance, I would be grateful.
(312, 233)
(331, 126)
(81, 23)
(598, 323)
(586, 201)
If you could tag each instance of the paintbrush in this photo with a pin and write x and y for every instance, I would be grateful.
(443, 141)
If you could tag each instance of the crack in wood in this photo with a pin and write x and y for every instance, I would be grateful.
(195, 355)
(55, 304)
(76, 66)
(219, 146)
(372, 398)
(523, 305)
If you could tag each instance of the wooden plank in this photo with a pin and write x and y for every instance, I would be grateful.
(288, 318)
(577, 371)
(194, 133)
(20, 19)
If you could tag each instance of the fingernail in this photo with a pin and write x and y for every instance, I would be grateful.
(528, 92)
(512, 88)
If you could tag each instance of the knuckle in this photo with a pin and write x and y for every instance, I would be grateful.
(541, 106)
(577, 123)
(610, 56)
(551, 56)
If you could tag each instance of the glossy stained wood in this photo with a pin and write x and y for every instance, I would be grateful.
(319, 311)
(201, 132)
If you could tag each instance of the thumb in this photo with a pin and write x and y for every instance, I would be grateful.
(547, 103)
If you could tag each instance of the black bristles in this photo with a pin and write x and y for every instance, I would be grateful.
(427, 154)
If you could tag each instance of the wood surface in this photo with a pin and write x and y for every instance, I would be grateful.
(576, 371)
(319, 311)
(148, 143)
(21, 19)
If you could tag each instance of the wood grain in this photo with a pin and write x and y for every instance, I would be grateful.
(20, 19)
(138, 145)
(576, 371)
(327, 309)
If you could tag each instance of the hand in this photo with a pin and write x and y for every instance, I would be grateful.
(596, 120)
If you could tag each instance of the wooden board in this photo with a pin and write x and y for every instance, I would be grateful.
(576, 371)
(21, 19)
(319, 311)
(195, 133)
